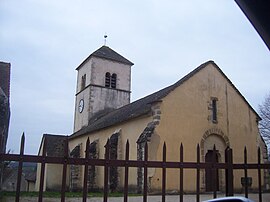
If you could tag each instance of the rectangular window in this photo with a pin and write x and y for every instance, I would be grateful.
(214, 110)
(83, 82)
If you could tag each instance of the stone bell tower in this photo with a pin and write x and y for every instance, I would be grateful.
(103, 84)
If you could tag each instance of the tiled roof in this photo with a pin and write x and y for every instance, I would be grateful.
(30, 176)
(55, 145)
(143, 105)
(107, 53)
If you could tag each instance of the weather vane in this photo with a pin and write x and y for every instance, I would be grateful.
(105, 37)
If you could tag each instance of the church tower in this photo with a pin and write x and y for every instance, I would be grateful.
(103, 84)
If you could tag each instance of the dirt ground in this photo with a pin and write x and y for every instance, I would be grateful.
(170, 198)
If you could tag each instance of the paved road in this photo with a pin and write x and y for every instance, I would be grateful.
(170, 198)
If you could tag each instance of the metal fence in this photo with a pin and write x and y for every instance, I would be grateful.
(214, 166)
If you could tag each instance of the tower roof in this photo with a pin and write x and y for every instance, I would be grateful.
(109, 54)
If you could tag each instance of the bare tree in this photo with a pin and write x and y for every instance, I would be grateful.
(264, 125)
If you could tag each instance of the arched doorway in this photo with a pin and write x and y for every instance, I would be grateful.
(211, 137)
(211, 177)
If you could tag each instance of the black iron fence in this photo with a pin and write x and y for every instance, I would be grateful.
(213, 165)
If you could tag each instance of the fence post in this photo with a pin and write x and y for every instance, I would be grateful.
(214, 173)
(145, 184)
(106, 170)
(64, 175)
(229, 171)
(245, 172)
(126, 173)
(259, 175)
(181, 173)
(164, 173)
(1, 139)
(198, 174)
(86, 170)
(19, 177)
(1, 164)
(42, 170)
(226, 172)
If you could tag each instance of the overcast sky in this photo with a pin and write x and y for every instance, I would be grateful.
(46, 40)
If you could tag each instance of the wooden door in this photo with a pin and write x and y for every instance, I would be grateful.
(209, 175)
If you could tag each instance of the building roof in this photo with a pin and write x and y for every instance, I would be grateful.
(4, 120)
(55, 145)
(5, 77)
(109, 54)
(31, 176)
(143, 106)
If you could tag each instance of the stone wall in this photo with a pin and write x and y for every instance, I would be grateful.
(113, 170)
(75, 170)
(92, 174)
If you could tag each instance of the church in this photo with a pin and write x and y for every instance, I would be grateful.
(204, 107)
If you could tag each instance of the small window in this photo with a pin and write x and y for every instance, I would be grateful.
(113, 80)
(214, 110)
(108, 80)
(83, 81)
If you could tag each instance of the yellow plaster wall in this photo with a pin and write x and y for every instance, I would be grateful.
(37, 183)
(31, 186)
(52, 176)
(128, 131)
(185, 117)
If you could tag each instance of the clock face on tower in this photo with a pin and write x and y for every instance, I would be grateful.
(81, 105)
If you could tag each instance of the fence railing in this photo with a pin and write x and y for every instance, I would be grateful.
(197, 165)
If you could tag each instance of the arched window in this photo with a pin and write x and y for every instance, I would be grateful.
(110, 80)
(113, 80)
(107, 79)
